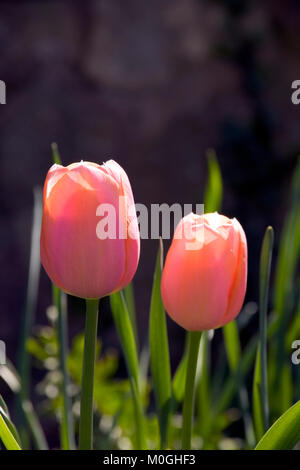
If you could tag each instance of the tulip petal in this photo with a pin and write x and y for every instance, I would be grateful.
(74, 256)
(238, 289)
(203, 282)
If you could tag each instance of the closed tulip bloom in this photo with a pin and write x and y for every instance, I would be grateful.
(205, 274)
(77, 258)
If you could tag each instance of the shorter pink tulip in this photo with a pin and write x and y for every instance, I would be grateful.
(205, 274)
(76, 258)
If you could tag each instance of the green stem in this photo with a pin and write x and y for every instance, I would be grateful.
(67, 428)
(188, 404)
(87, 389)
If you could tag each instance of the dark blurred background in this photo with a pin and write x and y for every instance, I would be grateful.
(152, 85)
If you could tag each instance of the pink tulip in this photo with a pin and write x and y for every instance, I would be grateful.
(76, 258)
(205, 274)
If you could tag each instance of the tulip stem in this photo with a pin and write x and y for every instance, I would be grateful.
(87, 388)
(188, 403)
(67, 427)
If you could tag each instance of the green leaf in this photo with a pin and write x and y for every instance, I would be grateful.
(34, 426)
(12, 379)
(178, 383)
(29, 313)
(285, 432)
(5, 414)
(6, 436)
(126, 337)
(232, 344)
(260, 383)
(289, 244)
(257, 403)
(10, 376)
(55, 154)
(159, 352)
(214, 188)
(286, 269)
(234, 354)
(129, 298)
(36, 349)
(3, 407)
(125, 332)
(287, 391)
(294, 328)
(246, 362)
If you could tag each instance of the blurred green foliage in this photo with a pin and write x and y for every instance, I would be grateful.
(225, 370)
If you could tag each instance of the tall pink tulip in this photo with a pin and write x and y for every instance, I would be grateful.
(76, 258)
(205, 274)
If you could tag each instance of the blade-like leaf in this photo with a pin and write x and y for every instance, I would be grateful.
(159, 352)
(129, 298)
(6, 436)
(126, 337)
(285, 432)
(55, 154)
(233, 350)
(9, 374)
(214, 188)
(232, 344)
(3, 408)
(29, 313)
(286, 269)
(294, 328)
(246, 361)
(256, 398)
(179, 380)
(289, 249)
(260, 383)
(34, 426)
(5, 414)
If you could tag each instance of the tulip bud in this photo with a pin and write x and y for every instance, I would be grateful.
(205, 274)
(77, 256)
